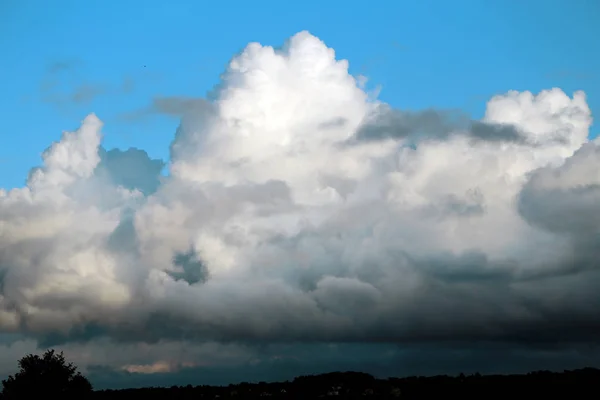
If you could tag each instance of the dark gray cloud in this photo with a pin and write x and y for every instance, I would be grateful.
(177, 106)
(389, 123)
(82, 334)
(565, 199)
(494, 132)
(174, 106)
(465, 298)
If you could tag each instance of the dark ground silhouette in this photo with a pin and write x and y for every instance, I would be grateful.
(50, 375)
(578, 384)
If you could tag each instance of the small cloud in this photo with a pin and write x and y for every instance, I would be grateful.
(82, 94)
(175, 106)
(62, 85)
(157, 367)
(86, 93)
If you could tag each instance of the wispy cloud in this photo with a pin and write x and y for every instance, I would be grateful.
(64, 85)
(174, 106)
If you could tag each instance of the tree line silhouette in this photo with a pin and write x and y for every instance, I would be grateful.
(51, 375)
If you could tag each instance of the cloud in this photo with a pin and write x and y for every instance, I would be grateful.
(269, 229)
(62, 73)
(63, 86)
(86, 93)
(171, 106)
(397, 124)
(386, 123)
(564, 198)
(83, 94)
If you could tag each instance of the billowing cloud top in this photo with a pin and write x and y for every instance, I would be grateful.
(299, 208)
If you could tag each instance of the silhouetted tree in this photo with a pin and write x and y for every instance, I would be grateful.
(46, 375)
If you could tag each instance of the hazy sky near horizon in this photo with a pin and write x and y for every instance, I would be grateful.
(206, 192)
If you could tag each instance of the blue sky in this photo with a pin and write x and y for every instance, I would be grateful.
(64, 59)
(423, 54)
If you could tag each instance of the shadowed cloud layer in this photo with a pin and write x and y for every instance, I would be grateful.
(270, 228)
